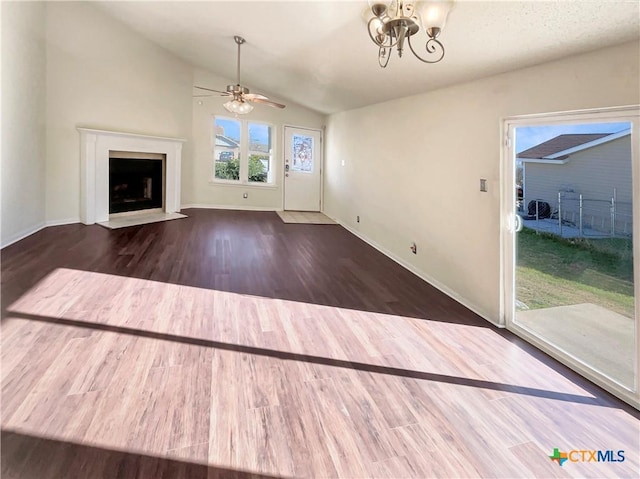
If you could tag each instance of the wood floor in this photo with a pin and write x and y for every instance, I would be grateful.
(230, 344)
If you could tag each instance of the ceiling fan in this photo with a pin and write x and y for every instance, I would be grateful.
(241, 95)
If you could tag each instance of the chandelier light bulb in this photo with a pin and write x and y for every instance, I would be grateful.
(434, 14)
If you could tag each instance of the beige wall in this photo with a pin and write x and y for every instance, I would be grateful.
(412, 166)
(23, 118)
(101, 74)
(198, 188)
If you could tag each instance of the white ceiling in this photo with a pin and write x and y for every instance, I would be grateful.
(318, 53)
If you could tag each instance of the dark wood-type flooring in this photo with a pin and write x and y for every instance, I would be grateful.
(230, 344)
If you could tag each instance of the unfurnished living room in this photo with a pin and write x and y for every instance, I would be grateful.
(354, 239)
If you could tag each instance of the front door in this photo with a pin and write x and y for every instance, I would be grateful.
(302, 169)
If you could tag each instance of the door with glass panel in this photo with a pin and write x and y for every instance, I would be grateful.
(302, 169)
(571, 253)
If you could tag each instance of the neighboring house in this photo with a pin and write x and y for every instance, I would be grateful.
(226, 148)
(596, 166)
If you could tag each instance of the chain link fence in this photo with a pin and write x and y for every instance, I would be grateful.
(575, 215)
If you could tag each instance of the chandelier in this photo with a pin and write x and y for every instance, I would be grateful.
(397, 21)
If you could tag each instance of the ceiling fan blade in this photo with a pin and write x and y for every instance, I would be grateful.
(202, 96)
(253, 97)
(225, 93)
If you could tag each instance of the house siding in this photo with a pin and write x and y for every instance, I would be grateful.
(595, 173)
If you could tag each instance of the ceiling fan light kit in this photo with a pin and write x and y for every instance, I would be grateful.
(238, 107)
(239, 104)
(394, 23)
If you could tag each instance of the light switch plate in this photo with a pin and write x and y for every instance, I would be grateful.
(483, 184)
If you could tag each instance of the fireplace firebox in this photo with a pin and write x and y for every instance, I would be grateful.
(135, 184)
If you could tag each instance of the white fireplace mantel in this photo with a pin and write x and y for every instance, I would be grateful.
(94, 168)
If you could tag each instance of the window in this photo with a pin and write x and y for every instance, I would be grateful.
(302, 154)
(226, 149)
(243, 151)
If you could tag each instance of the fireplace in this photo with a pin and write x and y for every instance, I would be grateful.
(136, 182)
(99, 147)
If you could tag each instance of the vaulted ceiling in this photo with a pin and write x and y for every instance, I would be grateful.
(318, 53)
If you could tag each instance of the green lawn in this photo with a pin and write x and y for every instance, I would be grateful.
(553, 271)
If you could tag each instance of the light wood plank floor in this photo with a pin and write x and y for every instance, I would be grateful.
(108, 375)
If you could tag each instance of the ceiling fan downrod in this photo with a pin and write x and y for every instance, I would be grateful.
(239, 40)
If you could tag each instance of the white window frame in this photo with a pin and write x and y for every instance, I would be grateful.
(243, 181)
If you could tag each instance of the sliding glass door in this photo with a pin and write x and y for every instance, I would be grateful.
(571, 253)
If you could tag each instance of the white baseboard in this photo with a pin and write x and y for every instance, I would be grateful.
(34, 229)
(230, 207)
(422, 275)
(23, 234)
(68, 221)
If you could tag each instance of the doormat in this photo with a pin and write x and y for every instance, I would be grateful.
(308, 217)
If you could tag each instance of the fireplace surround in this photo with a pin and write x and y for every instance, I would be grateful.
(94, 168)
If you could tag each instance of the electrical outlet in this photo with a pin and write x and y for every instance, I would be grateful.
(245, 195)
(413, 248)
(357, 219)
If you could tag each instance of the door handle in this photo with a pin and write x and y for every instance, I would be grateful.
(518, 223)
(286, 167)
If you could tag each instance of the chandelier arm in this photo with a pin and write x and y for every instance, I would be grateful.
(432, 46)
(369, 31)
(373, 39)
(380, 56)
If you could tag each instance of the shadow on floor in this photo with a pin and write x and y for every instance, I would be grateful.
(32, 457)
(325, 361)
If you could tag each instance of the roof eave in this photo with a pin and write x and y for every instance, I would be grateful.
(591, 144)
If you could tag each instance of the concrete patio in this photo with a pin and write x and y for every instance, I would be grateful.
(600, 338)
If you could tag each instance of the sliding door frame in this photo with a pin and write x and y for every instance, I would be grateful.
(629, 114)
